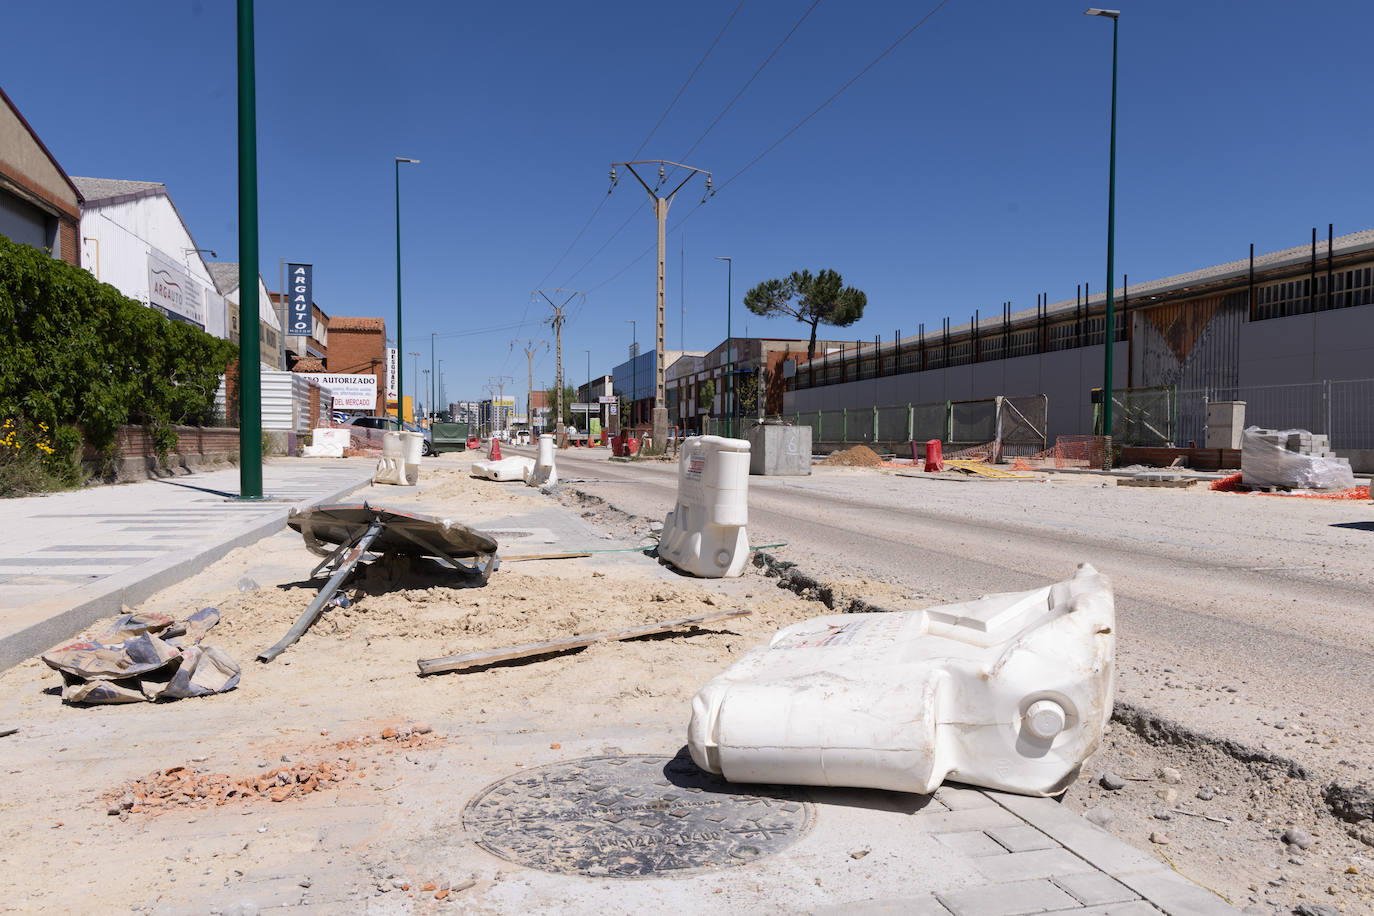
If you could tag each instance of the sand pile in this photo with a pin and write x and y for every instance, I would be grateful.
(860, 456)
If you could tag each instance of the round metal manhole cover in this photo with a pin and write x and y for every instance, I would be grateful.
(633, 817)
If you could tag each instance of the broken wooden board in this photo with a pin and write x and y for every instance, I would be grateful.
(490, 656)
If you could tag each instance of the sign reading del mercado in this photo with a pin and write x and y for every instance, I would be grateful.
(350, 392)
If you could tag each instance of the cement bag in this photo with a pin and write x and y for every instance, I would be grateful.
(1009, 692)
(1265, 461)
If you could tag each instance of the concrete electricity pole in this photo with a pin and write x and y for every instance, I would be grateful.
(530, 346)
(556, 320)
(500, 382)
(661, 205)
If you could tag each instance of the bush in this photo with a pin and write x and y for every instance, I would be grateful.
(31, 462)
(78, 354)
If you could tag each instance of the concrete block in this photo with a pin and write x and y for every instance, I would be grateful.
(1130, 908)
(1095, 845)
(971, 819)
(1008, 899)
(1174, 894)
(1022, 839)
(1095, 888)
(776, 450)
(1038, 863)
(1225, 420)
(956, 798)
(971, 843)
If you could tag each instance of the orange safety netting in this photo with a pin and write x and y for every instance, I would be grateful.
(1235, 484)
(1082, 452)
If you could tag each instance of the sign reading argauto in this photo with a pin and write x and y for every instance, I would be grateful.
(172, 290)
(350, 392)
(299, 280)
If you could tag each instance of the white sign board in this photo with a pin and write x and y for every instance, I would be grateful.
(350, 392)
(583, 408)
(391, 358)
(172, 290)
(604, 399)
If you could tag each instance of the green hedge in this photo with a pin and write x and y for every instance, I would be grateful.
(77, 353)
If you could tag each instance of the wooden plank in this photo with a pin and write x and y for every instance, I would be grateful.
(489, 656)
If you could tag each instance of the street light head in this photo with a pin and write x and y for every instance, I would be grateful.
(1110, 14)
(724, 259)
(404, 159)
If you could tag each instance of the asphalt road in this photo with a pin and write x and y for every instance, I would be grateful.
(1242, 616)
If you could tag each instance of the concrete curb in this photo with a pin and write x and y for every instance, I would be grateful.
(136, 585)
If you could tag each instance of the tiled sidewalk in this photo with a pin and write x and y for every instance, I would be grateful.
(70, 558)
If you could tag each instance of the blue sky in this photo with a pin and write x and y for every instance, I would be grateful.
(965, 169)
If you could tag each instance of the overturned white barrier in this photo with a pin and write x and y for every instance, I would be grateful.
(1008, 692)
(327, 443)
(704, 534)
(515, 467)
(543, 473)
(400, 461)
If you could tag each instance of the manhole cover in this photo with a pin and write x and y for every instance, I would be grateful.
(633, 817)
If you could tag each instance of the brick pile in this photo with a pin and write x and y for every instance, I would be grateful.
(188, 787)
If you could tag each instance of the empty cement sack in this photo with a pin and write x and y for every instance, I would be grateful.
(1292, 458)
(1009, 691)
(145, 657)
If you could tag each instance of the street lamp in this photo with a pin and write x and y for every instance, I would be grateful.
(634, 370)
(400, 376)
(434, 375)
(415, 377)
(1114, 16)
(427, 388)
(729, 280)
(439, 384)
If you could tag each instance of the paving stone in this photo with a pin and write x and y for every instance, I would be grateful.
(1132, 908)
(1094, 888)
(1011, 899)
(1040, 863)
(971, 819)
(888, 906)
(1175, 894)
(971, 843)
(960, 799)
(1022, 839)
(1092, 843)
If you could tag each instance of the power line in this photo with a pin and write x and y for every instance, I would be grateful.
(766, 61)
(690, 77)
(851, 81)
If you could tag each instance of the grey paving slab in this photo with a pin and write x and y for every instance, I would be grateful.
(68, 559)
(893, 906)
(1095, 888)
(1021, 839)
(972, 843)
(1176, 894)
(1132, 908)
(1011, 899)
(1039, 863)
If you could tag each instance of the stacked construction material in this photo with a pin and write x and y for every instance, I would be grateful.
(1292, 459)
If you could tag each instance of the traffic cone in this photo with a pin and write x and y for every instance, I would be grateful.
(494, 453)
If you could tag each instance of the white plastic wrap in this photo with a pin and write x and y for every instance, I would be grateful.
(1265, 461)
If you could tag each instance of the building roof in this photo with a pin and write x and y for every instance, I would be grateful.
(116, 190)
(308, 364)
(225, 274)
(42, 146)
(345, 323)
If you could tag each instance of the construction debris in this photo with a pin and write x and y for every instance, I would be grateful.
(1291, 459)
(145, 657)
(860, 456)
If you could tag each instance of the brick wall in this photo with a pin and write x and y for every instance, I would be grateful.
(362, 352)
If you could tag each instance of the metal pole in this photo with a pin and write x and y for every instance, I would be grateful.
(1111, 251)
(250, 379)
(434, 375)
(415, 377)
(634, 370)
(281, 305)
(729, 295)
(400, 375)
(439, 381)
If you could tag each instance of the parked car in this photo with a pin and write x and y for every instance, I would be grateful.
(372, 429)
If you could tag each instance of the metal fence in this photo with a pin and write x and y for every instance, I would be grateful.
(1016, 424)
(1342, 409)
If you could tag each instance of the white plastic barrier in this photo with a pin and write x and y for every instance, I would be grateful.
(327, 443)
(543, 474)
(516, 467)
(704, 534)
(1008, 691)
(400, 461)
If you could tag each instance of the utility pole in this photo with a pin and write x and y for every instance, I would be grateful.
(661, 205)
(556, 320)
(530, 346)
(432, 373)
(500, 382)
(491, 394)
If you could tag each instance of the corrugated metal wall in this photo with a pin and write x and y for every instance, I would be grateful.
(1190, 344)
